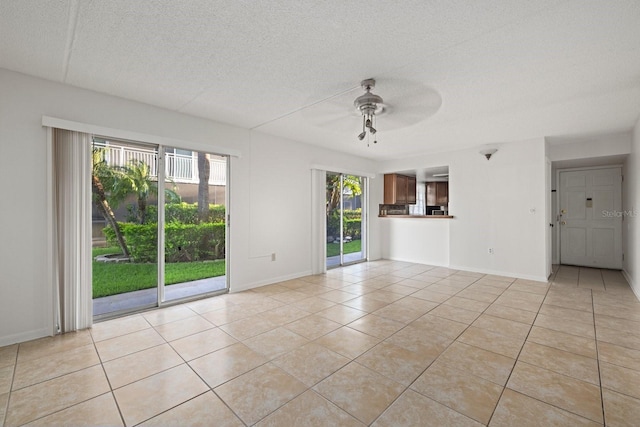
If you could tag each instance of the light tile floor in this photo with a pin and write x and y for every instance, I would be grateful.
(381, 343)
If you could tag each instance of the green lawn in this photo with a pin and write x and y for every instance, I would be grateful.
(118, 278)
(333, 249)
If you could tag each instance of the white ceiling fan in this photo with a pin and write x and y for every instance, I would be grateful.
(405, 103)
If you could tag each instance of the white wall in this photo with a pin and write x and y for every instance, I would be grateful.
(588, 147)
(270, 191)
(491, 202)
(631, 205)
(424, 241)
(272, 209)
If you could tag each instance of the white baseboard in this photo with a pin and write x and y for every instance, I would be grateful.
(413, 261)
(500, 273)
(247, 286)
(476, 270)
(634, 288)
(25, 336)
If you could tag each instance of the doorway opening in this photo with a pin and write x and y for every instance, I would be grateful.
(346, 210)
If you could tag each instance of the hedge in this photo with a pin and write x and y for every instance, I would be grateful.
(351, 227)
(352, 213)
(186, 213)
(183, 242)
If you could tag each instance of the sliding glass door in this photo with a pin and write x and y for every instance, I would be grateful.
(124, 224)
(156, 243)
(195, 226)
(346, 219)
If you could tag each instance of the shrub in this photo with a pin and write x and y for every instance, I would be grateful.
(186, 213)
(351, 227)
(183, 242)
(333, 224)
(353, 213)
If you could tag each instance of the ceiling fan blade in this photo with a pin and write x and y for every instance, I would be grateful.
(406, 103)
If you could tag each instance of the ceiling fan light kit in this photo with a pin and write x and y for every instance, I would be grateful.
(488, 152)
(369, 105)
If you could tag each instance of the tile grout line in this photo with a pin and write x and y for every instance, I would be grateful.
(184, 362)
(10, 392)
(353, 360)
(83, 401)
(239, 341)
(597, 360)
(519, 353)
(104, 371)
(595, 336)
(408, 387)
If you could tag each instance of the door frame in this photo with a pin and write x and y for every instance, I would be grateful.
(549, 222)
(558, 199)
(161, 235)
(364, 217)
(161, 301)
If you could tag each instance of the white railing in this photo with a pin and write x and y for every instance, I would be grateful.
(179, 168)
(217, 172)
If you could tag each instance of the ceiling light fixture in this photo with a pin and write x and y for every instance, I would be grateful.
(488, 152)
(369, 106)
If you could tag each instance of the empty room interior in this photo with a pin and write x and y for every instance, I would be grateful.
(303, 213)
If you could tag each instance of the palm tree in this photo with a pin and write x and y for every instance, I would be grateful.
(350, 182)
(101, 173)
(204, 170)
(136, 178)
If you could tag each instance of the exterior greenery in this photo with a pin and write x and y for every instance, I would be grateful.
(194, 233)
(183, 242)
(333, 249)
(117, 278)
(186, 213)
(352, 223)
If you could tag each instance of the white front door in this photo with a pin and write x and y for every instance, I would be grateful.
(591, 217)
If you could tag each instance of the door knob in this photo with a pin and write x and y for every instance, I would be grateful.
(563, 222)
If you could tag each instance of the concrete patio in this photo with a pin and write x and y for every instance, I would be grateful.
(148, 297)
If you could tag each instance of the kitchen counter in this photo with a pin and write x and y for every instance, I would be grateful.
(417, 216)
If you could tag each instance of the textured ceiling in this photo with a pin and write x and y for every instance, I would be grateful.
(504, 69)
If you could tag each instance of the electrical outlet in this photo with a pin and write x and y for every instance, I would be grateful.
(273, 256)
(491, 251)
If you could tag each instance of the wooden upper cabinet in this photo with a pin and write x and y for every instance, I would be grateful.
(431, 193)
(437, 193)
(411, 190)
(399, 189)
(442, 193)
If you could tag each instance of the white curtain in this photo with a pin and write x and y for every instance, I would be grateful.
(71, 155)
(318, 221)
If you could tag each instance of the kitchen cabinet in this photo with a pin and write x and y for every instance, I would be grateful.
(399, 189)
(437, 193)
(411, 190)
